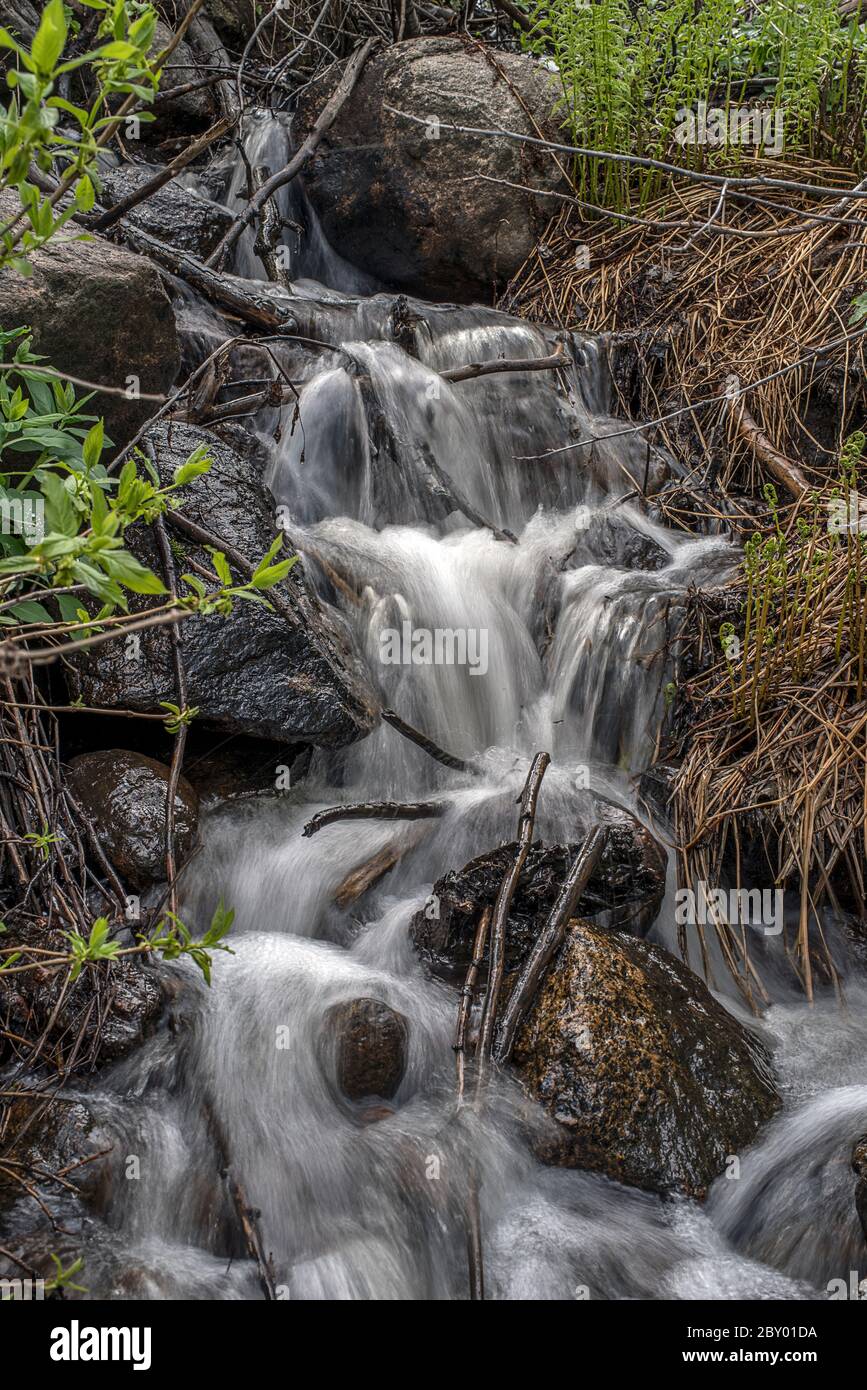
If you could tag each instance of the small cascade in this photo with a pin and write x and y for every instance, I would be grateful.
(568, 622)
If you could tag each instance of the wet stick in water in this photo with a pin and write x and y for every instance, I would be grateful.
(549, 940)
(422, 741)
(526, 821)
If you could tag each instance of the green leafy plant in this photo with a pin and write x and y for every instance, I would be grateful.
(62, 1278)
(64, 518)
(170, 939)
(627, 73)
(805, 599)
(39, 126)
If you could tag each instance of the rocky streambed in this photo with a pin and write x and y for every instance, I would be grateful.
(644, 1136)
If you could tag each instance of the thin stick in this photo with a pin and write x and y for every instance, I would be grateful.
(376, 810)
(326, 119)
(549, 940)
(515, 364)
(496, 967)
(422, 741)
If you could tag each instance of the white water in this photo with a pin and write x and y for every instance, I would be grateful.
(574, 666)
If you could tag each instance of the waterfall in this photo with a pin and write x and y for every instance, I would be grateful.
(574, 618)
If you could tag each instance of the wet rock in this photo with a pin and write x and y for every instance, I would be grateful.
(125, 796)
(859, 1168)
(627, 887)
(413, 204)
(51, 1137)
(101, 313)
(193, 109)
(656, 788)
(646, 1077)
(612, 541)
(175, 214)
(257, 671)
(368, 1045)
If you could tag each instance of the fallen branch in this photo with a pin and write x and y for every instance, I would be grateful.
(366, 875)
(780, 467)
(440, 485)
(327, 117)
(376, 810)
(467, 996)
(472, 1216)
(248, 1217)
(274, 394)
(516, 364)
(180, 742)
(516, 15)
(140, 195)
(422, 741)
(205, 41)
(356, 884)
(269, 232)
(496, 966)
(549, 941)
(254, 309)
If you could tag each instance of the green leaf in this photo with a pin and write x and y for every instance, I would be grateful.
(118, 50)
(131, 572)
(60, 513)
(199, 462)
(50, 38)
(31, 612)
(85, 194)
(221, 565)
(69, 608)
(266, 578)
(91, 450)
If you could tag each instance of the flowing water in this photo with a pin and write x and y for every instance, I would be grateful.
(572, 622)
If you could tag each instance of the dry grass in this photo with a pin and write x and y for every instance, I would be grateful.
(788, 781)
(745, 305)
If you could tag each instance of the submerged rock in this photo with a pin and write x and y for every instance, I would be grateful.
(627, 886)
(102, 314)
(418, 206)
(646, 1077)
(368, 1043)
(293, 679)
(125, 795)
(177, 215)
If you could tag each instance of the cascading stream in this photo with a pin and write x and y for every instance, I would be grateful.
(575, 619)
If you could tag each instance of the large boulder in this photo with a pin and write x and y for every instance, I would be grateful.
(125, 795)
(289, 676)
(364, 1044)
(178, 216)
(626, 890)
(192, 108)
(100, 313)
(645, 1076)
(420, 207)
